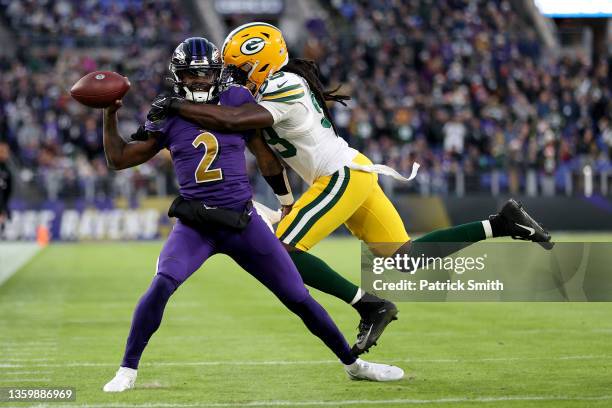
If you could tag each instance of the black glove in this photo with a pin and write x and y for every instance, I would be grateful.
(161, 107)
(141, 134)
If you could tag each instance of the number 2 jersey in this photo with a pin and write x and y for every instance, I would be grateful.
(209, 166)
(301, 133)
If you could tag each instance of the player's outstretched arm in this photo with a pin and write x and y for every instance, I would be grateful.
(268, 163)
(119, 154)
(271, 169)
(224, 118)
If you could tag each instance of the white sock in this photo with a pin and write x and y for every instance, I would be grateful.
(486, 224)
(358, 296)
(354, 365)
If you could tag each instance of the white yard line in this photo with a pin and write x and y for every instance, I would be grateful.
(10, 373)
(308, 362)
(13, 255)
(18, 353)
(26, 360)
(282, 403)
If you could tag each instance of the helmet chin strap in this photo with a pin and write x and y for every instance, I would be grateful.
(198, 96)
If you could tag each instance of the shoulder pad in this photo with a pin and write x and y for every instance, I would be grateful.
(237, 88)
(283, 87)
(235, 95)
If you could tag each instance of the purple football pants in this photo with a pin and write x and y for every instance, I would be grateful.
(259, 252)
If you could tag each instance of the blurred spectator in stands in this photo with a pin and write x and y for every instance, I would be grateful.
(6, 183)
(57, 142)
(96, 23)
(454, 134)
(459, 86)
(480, 58)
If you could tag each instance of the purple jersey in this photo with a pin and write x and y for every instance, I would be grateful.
(210, 166)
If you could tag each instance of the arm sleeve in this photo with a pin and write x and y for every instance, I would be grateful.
(279, 183)
(159, 128)
(281, 187)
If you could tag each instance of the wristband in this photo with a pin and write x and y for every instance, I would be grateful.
(281, 187)
(286, 199)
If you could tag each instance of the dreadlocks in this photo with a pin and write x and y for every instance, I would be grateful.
(309, 70)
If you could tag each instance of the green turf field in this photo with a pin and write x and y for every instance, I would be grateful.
(227, 342)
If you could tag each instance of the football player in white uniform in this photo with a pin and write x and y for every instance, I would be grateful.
(289, 108)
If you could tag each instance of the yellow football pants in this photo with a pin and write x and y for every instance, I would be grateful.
(350, 197)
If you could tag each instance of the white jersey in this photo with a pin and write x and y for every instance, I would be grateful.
(301, 135)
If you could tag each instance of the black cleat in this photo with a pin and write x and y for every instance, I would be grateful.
(372, 325)
(517, 224)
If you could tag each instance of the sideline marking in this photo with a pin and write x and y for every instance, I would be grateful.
(13, 255)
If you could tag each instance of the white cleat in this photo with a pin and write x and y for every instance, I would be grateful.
(124, 380)
(362, 370)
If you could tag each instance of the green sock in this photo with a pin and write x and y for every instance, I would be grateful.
(470, 232)
(444, 242)
(317, 274)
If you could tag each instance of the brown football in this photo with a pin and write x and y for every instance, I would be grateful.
(100, 89)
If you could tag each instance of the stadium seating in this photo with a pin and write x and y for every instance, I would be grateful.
(462, 87)
(58, 142)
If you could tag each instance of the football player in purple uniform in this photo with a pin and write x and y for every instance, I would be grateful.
(291, 110)
(211, 171)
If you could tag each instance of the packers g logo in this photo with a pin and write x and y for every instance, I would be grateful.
(252, 45)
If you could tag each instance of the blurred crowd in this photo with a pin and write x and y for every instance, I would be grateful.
(465, 87)
(95, 22)
(461, 86)
(57, 143)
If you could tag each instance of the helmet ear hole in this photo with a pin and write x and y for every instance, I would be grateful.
(246, 67)
(262, 69)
